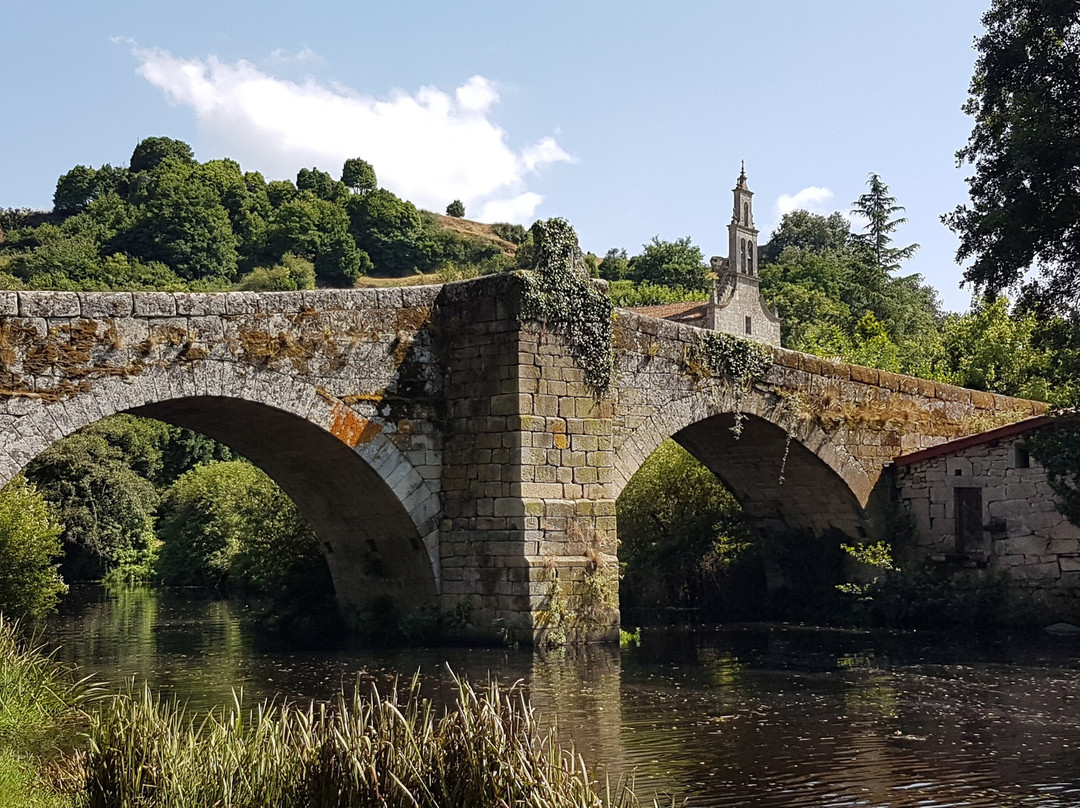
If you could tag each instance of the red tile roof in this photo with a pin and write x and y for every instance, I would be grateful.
(670, 310)
(1000, 433)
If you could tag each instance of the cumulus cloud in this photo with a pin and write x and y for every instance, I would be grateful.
(430, 147)
(813, 199)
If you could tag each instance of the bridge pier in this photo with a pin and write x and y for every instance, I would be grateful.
(528, 542)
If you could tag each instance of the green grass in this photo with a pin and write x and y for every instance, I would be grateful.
(40, 701)
(21, 784)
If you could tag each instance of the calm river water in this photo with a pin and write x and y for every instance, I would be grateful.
(737, 716)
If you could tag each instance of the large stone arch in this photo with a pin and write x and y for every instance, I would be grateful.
(785, 471)
(375, 515)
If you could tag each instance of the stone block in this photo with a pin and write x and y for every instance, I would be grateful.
(9, 304)
(1024, 545)
(105, 304)
(48, 304)
(155, 304)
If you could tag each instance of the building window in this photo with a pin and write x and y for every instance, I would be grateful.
(742, 263)
(967, 512)
(1023, 457)
(746, 212)
(749, 325)
(750, 258)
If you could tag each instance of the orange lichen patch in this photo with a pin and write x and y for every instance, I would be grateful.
(350, 428)
(561, 441)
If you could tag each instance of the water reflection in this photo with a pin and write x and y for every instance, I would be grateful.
(746, 716)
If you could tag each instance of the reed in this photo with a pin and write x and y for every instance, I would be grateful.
(489, 749)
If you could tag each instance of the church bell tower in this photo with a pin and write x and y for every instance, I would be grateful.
(742, 235)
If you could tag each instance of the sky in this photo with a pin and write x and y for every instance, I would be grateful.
(628, 118)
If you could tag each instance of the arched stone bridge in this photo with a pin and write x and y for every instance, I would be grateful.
(449, 456)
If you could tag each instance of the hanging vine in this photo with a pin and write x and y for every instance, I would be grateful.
(559, 293)
(716, 354)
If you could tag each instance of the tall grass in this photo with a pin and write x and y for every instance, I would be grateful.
(40, 701)
(489, 750)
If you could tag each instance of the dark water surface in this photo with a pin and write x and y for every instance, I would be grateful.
(739, 716)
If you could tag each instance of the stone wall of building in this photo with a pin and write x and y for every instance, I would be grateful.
(737, 308)
(1020, 534)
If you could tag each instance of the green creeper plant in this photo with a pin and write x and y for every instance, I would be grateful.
(559, 294)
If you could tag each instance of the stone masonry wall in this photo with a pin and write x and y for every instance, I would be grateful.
(1024, 536)
(528, 532)
(855, 419)
(357, 365)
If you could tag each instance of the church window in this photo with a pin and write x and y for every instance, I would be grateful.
(746, 212)
(749, 325)
(750, 258)
(742, 263)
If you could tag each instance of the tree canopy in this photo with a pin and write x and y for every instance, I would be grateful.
(170, 222)
(1024, 211)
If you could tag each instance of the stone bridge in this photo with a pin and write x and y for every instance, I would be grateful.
(450, 457)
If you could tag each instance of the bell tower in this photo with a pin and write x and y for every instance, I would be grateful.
(736, 306)
(742, 235)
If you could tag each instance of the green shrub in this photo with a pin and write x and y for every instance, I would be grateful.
(30, 583)
(228, 524)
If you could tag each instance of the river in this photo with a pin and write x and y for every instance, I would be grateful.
(733, 716)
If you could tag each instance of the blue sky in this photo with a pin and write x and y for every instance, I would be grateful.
(628, 118)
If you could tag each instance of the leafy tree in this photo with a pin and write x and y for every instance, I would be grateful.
(359, 175)
(229, 524)
(106, 508)
(279, 192)
(456, 208)
(30, 583)
(992, 349)
(183, 224)
(878, 208)
(681, 535)
(321, 184)
(670, 263)
(514, 233)
(615, 265)
(391, 231)
(75, 189)
(1025, 149)
(293, 272)
(153, 151)
(825, 286)
(809, 231)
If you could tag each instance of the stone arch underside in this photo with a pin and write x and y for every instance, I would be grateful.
(806, 483)
(376, 517)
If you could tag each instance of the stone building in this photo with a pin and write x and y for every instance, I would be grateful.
(983, 503)
(735, 305)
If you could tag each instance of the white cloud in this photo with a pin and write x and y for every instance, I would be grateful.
(813, 199)
(303, 56)
(430, 147)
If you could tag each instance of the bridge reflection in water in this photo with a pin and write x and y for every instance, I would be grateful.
(752, 716)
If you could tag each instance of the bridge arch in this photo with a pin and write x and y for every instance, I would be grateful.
(785, 471)
(375, 515)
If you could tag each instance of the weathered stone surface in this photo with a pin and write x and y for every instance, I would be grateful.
(468, 457)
